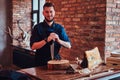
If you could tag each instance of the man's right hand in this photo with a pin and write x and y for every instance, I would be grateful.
(51, 37)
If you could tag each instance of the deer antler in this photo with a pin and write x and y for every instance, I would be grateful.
(11, 35)
(33, 24)
(23, 35)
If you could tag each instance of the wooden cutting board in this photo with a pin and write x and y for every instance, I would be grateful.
(58, 64)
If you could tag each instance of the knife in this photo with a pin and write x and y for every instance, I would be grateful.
(52, 50)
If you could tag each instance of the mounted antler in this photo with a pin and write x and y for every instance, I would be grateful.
(23, 35)
(13, 37)
(22, 38)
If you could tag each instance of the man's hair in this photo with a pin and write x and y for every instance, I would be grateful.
(48, 4)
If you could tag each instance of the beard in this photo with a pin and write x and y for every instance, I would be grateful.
(49, 20)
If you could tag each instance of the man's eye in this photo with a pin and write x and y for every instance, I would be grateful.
(51, 12)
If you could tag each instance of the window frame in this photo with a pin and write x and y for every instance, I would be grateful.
(38, 12)
(35, 12)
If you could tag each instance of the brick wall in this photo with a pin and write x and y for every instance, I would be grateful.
(112, 26)
(22, 13)
(87, 23)
(84, 21)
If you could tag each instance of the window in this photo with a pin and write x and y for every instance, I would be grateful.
(37, 7)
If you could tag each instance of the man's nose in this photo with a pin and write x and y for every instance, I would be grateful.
(49, 13)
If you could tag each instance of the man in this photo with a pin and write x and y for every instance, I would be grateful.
(46, 33)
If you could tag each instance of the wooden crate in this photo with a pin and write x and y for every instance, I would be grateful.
(113, 62)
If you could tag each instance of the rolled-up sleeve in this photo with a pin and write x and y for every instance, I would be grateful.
(64, 35)
(34, 36)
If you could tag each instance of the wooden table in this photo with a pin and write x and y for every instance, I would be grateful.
(42, 73)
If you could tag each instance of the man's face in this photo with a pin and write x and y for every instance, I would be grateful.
(49, 13)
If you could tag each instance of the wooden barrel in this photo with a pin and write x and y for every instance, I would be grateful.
(58, 64)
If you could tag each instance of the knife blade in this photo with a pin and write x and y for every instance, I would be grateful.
(52, 50)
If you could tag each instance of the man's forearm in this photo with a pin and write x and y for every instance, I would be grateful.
(38, 45)
(65, 44)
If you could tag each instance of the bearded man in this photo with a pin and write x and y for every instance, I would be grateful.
(46, 33)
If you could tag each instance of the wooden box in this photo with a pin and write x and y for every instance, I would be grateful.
(113, 62)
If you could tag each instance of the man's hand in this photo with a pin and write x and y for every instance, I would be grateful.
(53, 36)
